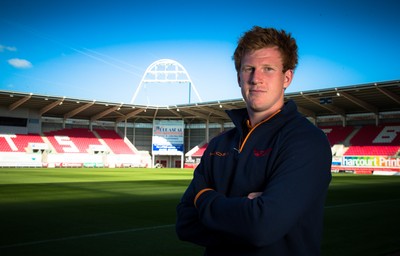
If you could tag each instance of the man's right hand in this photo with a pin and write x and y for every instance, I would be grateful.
(253, 195)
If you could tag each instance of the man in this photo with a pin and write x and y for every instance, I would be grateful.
(260, 188)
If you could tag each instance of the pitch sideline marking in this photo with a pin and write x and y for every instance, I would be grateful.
(361, 203)
(85, 236)
(153, 228)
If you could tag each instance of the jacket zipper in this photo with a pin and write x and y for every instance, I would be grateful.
(254, 127)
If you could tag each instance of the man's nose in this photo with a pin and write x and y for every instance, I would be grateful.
(256, 77)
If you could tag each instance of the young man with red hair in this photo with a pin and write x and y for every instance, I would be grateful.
(260, 188)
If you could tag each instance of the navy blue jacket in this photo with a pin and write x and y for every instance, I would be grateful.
(289, 160)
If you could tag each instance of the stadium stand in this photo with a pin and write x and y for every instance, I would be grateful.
(360, 121)
(382, 140)
(7, 144)
(114, 142)
(73, 147)
(75, 140)
(195, 154)
(372, 150)
(200, 151)
(18, 142)
(337, 134)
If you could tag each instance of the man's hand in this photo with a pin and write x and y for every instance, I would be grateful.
(253, 195)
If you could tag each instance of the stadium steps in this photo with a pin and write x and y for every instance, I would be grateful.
(198, 150)
(337, 134)
(114, 142)
(338, 150)
(46, 140)
(350, 136)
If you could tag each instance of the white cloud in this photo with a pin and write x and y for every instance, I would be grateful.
(19, 63)
(7, 48)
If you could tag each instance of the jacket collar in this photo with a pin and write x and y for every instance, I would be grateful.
(239, 116)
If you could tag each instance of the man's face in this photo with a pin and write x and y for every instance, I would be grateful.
(262, 81)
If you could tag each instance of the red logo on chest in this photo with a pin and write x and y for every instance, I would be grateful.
(260, 153)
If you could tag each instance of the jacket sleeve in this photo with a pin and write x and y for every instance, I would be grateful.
(188, 225)
(299, 183)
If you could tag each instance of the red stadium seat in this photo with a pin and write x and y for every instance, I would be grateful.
(337, 134)
(76, 140)
(18, 142)
(375, 140)
(114, 142)
(200, 151)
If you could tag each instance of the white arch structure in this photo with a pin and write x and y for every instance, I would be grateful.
(166, 71)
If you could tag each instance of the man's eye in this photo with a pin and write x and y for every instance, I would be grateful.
(268, 69)
(248, 69)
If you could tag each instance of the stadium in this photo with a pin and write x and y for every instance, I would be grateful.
(361, 122)
(104, 147)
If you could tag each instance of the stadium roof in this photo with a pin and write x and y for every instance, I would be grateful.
(368, 99)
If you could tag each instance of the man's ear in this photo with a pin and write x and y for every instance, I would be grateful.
(288, 78)
(238, 80)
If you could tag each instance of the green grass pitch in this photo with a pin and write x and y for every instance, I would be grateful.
(131, 211)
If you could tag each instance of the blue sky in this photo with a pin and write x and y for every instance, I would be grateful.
(99, 50)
